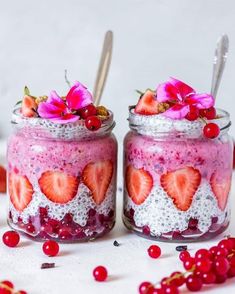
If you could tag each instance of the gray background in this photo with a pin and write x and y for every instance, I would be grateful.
(154, 39)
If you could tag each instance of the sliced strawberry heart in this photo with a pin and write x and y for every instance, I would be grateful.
(139, 183)
(97, 177)
(20, 191)
(221, 187)
(58, 187)
(147, 104)
(3, 179)
(181, 185)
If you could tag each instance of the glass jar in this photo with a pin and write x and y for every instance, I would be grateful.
(176, 181)
(61, 179)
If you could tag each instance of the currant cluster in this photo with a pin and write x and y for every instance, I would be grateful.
(211, 130)
(89, 114)
(207, 266)
(7, 287)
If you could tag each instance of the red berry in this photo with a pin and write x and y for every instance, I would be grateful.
(226, 244)
(209, 278)
(213, 250)
(6, 287)
(189, 263)
(232, 262)
(51, 248)
(89, 110)
(178, 280)
(30, 228)
(231, 272)
(93, 123)
(222, 252)
(211, 130)
(220, 279)
(202, 253)
(203, 265)
(154, 251)
(100, 273)
(193, 113)
(156, 291)
(11, 238)
(221, 266)
(184, 255)
(193, 283)
(170, 289)
(209, 113)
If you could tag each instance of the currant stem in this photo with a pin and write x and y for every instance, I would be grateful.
(66, 78)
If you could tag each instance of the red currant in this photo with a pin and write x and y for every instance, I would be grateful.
(154, 251)
(30, 228)
(6, 287)
(170, 289)
(193, 113)
(184, 255)
(221, 265)
(220, 279)
(178, 280)
(231, 272)
(156, 291)
(189, 263)
(51, 248)
(11, 238)
(232, 240)
(222, 252)
(193, 283)
(202, 253)
(209, 278)
(213, 250)
(87, 111)
(93, 123)
(211, 130)
(209, 113)
(203, 265)
(226, 244)
(100, 273)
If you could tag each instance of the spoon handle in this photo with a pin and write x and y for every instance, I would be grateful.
(220, 58)
(103, 68)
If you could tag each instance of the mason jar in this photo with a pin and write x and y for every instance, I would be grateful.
(176, 182)
(61, 179)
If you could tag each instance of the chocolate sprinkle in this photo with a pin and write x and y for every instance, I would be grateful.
(115, 243)
(47, 265)
(181, 248)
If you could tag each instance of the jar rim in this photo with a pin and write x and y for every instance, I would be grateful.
(159, 125)
(42, 127)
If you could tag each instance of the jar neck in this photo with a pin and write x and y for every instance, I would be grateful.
(45, 129)
(159, 126)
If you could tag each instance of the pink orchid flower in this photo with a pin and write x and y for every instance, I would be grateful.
(61, 111)
(182, 97)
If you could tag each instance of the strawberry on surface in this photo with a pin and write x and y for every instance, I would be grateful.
(20, 191)
(221, 188)
(181, 185)
(139, 183)
(3, 180)
(29, 106)
(97, 177)
(147, 104)
(58, 187)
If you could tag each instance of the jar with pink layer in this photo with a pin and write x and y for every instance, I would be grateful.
(177, 166)
(61, 174)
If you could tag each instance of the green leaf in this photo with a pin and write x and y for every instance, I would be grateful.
(26, 91)
(18, 103)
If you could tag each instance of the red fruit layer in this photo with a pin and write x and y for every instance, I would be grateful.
(43, 227)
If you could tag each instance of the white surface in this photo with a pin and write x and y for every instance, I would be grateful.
(128, 265)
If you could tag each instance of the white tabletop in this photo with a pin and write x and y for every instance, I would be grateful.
(128, 264)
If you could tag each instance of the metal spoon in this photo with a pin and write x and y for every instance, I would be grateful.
(103, 68)
(220, 58)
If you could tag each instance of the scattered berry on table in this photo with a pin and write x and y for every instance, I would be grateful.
(11, 238)
(154, 251)
(51, 248)
(100, 273)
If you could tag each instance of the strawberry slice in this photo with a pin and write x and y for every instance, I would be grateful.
(20, 191)
(28, 106)
(58, 187)
(97, 177)
(147, 104)
(221, 187)
(181, 185)
(3, 180)
(139, 183)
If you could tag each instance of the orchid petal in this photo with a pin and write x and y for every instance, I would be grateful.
(177, 111)
(67, 118)
(167, 92)
(78, 97)
(47, 110)
(201, 101)
(182, 88)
